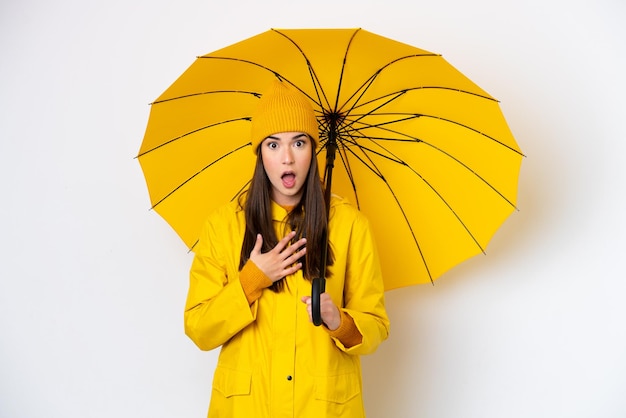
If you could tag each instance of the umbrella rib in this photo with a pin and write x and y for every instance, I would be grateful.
(367, 83)
(372, 112)
(410, 116)
(430, 186)
(395, 95)
(202, 93)
(319, 91)
(349, 173)
(276, 73)
(370, 80)
(198, 173)
(423, 115)
(191, 133)
(233, 198)
(413, 139)
(491, 138)
(374, 169)
(343, 67)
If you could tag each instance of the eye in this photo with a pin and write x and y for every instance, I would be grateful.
(300, 143)
(272, 145)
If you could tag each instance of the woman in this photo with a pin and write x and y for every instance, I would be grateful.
(250, 282)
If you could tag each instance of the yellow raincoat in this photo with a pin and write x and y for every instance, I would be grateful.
(273, 361)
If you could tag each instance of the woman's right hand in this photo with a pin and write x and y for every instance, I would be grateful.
(280, 261)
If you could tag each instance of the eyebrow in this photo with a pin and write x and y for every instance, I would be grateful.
(300, 135)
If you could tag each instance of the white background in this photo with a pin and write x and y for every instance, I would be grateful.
(92, 283)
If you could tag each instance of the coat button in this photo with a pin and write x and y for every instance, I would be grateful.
(289, 377)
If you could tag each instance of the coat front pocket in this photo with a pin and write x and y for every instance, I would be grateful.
(338, 388)
(230, 382)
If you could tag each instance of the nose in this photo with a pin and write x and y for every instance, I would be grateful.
(287, 155)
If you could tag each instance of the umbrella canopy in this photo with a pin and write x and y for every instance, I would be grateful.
(423, 151)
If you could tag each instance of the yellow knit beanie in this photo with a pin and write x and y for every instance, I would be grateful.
(282, 109)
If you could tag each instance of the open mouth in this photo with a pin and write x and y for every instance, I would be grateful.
(288, 179)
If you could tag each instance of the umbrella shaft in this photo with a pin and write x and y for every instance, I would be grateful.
(331, 149)
(328, 174)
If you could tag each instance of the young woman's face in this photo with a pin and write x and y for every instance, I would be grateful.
(287, 158)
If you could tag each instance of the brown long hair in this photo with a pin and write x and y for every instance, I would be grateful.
(308, 218)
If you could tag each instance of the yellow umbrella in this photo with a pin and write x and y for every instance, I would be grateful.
(423, 151)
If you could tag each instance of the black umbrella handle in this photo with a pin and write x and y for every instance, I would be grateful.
(318, 286)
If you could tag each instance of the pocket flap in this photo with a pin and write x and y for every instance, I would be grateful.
(231, 382)
(338, 388)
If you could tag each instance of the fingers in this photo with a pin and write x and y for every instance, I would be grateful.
(289, 254)
(286, 249)
(329, 312)
(283, 242)
(331, 316)
(258, 244)
(292, 269)
(296, 254)
(280, 261)
(307, 301)
(283, 246)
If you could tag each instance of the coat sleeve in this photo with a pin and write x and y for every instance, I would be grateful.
(364, 290)
(217, 307)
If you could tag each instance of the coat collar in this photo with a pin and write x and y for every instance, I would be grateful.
(279, 213)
